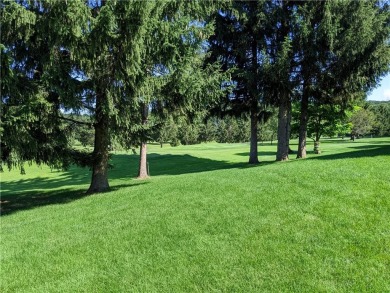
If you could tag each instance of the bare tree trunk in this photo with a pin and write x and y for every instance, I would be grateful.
(143, 170)
(253, 157)
(99, 182)
(317, 142)
(283, 128)
(284, 117)
(317, 149)
(303, 125)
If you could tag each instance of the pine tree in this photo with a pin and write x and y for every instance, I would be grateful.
(238, 43)
(130, 55)
(341, 56)
(255, 40)
(102, 58)
(31, 59)
(311, 48)
(176, 79)
(279, 68)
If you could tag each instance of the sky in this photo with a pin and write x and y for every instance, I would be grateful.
(382, 92)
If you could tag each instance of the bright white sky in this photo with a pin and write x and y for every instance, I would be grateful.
(382, 92)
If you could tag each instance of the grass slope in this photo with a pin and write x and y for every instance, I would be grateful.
(205, 222)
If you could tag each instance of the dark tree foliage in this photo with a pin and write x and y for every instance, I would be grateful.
(342, 51)
(109, 59)
(238, 43)
(34, 77)
(253, 40)
(381, 111)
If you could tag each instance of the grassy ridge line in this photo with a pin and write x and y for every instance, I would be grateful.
(238, 228)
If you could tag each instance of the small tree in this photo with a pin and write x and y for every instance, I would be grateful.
(363, 122)
(269, 128)
(167, 131)
(382, 116)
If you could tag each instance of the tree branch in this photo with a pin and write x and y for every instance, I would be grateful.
(90, 124)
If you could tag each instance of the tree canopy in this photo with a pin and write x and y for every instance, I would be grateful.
(108, 60)
(106, 65)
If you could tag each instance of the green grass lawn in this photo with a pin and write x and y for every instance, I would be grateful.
(205, 222)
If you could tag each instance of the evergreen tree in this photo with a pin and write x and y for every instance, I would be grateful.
(103, 58)
(238, 43)
(34, 77)
(254, 40)
(279, 70)
(109, 58)
(311, 48)
(182, 87)
(344, 53)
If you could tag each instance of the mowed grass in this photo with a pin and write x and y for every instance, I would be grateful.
(206, 221)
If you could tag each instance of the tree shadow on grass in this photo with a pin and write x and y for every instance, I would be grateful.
(169, 164)
(67, 178)
(260, 154)
(377, 142)
(371, 150)
(71, 185)
(29, 199)
(26, 194)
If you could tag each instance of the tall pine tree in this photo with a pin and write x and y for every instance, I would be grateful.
(238, 43)
(100, 58)
(35, 74)
(343, 49)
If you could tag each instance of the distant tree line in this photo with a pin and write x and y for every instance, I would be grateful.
(370, 119)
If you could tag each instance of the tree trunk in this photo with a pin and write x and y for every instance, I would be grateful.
(99, 182)
(284, 118)
(303, 125)
(318, 130)
(143, 170)
(317, 147)
(253, 158)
